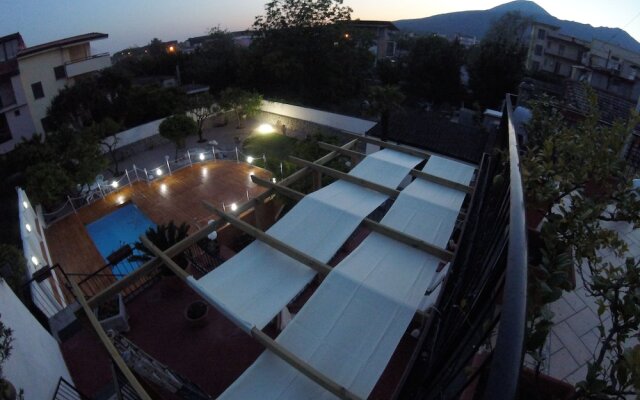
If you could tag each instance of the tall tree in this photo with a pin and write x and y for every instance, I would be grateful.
(496, 66)
(241, 102)
(434, 69)
(177, 128)
(301, 50)
(201, 107)
(383, 101)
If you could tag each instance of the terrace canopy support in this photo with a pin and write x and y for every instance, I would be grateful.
(414, 172)
(153, 264)
(401, 148)
(409, 240)
(111, 349)
(393, 193)
(260, 336)
(297, 255)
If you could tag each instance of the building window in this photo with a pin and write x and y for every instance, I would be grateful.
(535, 66)
(47, 124)
(542, 34)
(561, 49)
(38, 92)
(16, 113)
(5, 132)
(538, 50)
(60, 72)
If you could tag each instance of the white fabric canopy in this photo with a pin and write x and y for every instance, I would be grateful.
(254, 285)
(350, 327)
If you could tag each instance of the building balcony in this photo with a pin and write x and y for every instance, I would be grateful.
(86, 65)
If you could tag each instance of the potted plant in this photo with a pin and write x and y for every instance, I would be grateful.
(164, 236)
(112, 315)
(575, 174)
(196, 314)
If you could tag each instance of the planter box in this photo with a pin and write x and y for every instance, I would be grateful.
(118, 322)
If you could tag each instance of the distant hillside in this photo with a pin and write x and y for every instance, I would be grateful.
(476, 23)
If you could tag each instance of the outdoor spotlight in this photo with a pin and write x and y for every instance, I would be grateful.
(163, 187)
(273, 180)
(234, 206)
(250, 159)
(265, 128)
(28, 227)
(201, 156)
(25, 204)
(35, 260)
(114, 184)
(158, 171)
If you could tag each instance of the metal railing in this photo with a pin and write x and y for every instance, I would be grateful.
(91, 193)
(472, 345)
(66, 391)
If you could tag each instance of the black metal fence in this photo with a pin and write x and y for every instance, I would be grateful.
(66, 391)
(472, 347)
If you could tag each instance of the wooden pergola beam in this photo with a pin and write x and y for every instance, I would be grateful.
(414, 172)
(111, 349)
(346, 177)
(341, 150)
(270, 344)
(178, 248)
(284, 248)
(402, 149)
(402, 237)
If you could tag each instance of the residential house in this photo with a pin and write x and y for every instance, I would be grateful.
(47, 68)
(553, 52)
(384, 45)
(15, 118)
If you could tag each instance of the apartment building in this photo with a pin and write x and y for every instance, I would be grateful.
(604, 66)
(47, 68)
(553, 52)
(15, 117)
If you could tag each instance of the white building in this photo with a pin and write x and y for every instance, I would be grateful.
(47, 68)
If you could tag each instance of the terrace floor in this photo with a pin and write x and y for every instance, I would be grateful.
(176, 197)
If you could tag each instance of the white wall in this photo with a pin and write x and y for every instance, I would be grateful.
(36, 363)
(134, 134)
(332, 120)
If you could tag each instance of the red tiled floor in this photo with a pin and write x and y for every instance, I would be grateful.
(211, 357)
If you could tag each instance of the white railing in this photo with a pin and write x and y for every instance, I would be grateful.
(89, 194)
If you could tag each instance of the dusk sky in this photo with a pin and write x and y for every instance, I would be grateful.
(136, 22)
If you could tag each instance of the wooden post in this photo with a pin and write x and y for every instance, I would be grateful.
(346, 177)
(400, 236)
(259, 213)
(128, 178)
(111, 349)
(297, 255)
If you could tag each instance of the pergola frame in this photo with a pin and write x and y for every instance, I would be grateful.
(322, 268)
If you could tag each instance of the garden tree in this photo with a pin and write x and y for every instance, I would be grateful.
(216, 63)
(47, 183)
(301, 49)
(241, 102)
(176, 128)
(149, 103)
(106, 131)
(162, 236)
(434, 69)
(496, 66)
(383, 101)
(574, 177)
(389, 71)
(201, 107)
(13, 267)
(91, 99)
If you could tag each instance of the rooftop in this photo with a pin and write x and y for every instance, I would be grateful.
(87, 37)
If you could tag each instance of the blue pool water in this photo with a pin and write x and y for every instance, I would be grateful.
(123, 226)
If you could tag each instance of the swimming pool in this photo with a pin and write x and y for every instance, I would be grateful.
(123, 226)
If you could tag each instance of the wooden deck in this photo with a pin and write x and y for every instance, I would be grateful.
(177, 197)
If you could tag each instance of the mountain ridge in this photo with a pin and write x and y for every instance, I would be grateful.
(477, 22)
